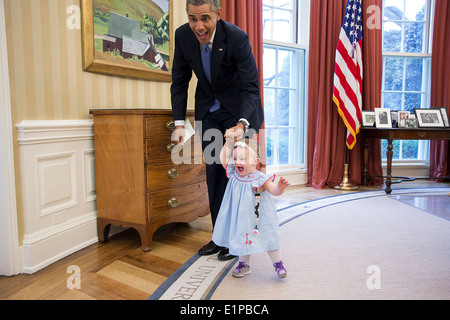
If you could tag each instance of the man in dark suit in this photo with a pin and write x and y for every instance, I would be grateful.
(227, 96)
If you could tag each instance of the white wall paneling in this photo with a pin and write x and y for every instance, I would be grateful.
(58, 181)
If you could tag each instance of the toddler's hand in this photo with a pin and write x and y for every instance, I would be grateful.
(283, 183)
(235, 133)
(230, 139)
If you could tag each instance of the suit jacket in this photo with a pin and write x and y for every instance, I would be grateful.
(234, 75)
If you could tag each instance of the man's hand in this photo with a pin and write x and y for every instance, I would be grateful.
(236, 133)
(178, 135)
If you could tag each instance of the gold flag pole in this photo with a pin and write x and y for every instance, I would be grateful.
(346, 185)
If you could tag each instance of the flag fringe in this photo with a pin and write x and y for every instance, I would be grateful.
(349, 127)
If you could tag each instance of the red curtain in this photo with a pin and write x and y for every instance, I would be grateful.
(248, 15)
(326, 130)
(440, 84)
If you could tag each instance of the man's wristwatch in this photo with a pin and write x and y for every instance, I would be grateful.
(245, 124)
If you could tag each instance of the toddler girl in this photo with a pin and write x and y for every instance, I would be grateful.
(247, 222)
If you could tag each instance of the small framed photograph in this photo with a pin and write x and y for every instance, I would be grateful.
(411, 123)
(394, 119)
(444, 116)
(402, 117)
(368, 118)
(429, 118)
(383, 118)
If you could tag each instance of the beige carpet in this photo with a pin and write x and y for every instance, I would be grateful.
(371, 248)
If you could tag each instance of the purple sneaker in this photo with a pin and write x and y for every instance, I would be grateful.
(280, 269)
(241, 270)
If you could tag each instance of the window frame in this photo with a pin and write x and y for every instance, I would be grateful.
(299, 46)
(297, 111)
(425, 56)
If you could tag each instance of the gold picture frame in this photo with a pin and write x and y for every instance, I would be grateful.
(115, 44)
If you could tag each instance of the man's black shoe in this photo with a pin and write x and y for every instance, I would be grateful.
(209, 249)
(225, 255)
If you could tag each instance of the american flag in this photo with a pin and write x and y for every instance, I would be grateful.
(348, 73)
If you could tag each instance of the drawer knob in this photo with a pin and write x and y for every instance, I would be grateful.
(170, 126)
(171, 148)
(173, 173)
(173, 203)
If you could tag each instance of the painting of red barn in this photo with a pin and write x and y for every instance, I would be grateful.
(131, 38)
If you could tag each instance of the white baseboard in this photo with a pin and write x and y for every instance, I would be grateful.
(45, 247)
(419, 170)
(295, 176)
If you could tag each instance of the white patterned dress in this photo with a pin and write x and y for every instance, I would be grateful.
(235, 224)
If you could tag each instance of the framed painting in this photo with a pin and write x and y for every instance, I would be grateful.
(128, 38)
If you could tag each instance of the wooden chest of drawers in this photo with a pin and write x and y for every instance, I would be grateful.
(138, 185)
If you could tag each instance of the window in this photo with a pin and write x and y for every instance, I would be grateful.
(284, 83)
(406, 66)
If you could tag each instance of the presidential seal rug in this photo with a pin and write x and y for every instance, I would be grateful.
(365, 245)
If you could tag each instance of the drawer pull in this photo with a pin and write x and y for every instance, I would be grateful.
(173, 173)
(171, 148)
(173, 203)
(170, 126)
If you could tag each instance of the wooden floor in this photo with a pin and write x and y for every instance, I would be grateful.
(119, 270)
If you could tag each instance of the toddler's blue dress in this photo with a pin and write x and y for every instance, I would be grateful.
(234, 228)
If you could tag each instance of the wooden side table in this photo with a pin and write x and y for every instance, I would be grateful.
(391, 134)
